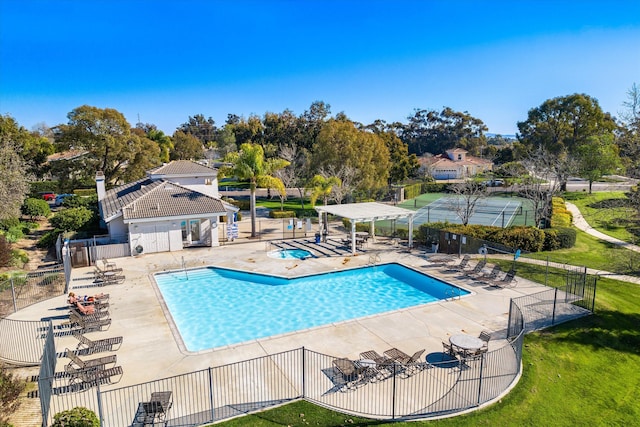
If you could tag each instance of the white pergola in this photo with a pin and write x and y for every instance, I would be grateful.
(366, 212)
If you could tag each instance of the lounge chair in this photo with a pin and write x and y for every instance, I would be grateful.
(78, 365)
(84, 379)
(485, 336)
(154, 411)
(409, 364)
(508, 281)
(89, 322)
(99, 313)
(460, 266)
(383, 364)
(105, 344)
(492, 275)
(109, 277)
(350, 371)
(109, 265)
(477, 269)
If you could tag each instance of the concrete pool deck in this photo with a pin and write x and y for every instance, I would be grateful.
(152, 351)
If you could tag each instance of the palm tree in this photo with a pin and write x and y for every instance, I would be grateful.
(249, 164)
(321, 187)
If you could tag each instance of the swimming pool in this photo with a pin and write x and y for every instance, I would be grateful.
(290, 254)
(214, 307)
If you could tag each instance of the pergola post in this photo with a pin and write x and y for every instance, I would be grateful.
(353, 237)
(411, 232)
(372, 229)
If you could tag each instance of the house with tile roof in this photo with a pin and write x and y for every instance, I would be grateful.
(176, 205)
(455, 164)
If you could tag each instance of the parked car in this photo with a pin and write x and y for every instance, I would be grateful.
(493, 183)
(48, 195)
(61, 197)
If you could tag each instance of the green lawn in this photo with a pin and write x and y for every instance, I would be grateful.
(609, 213)
(594, 253)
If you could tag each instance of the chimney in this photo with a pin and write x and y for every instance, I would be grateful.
(100, 185)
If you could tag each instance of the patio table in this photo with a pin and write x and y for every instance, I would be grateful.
(466, 342)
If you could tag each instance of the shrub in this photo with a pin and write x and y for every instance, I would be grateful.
(76, 417)
(10, 389)
(71, 219)
(433, 187)
(13, 234)
(551, 241)
(5, 252)
(34, 208)
(86, 192)
(243, 205)
(528, 239)
(7, 223)
(412, 191)
(19, 258)
(282, 214)
(49, 238)
(560, 216)
(566, 237)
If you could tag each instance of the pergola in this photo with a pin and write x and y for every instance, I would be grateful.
(365, 212)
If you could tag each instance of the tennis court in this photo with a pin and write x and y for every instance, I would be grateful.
(496, 211)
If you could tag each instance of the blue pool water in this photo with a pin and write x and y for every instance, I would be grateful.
(213, 307)
(290, 254)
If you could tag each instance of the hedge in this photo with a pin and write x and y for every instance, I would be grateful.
(412, 191)
(530, 239)
(560, 216)
(282, 214)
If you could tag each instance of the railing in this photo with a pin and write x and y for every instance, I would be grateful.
(21, 341)
(24, 289)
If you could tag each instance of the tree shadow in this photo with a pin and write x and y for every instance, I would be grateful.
(605, 329)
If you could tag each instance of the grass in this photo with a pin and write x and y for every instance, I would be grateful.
(581, 372)
(608, 212)
(594, 253)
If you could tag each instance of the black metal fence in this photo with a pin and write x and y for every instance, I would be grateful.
(21, 342)
(417, 390)
(436, 386)
(24, 289)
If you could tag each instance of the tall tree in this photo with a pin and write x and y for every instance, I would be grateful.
(431, 131)
(14, 181)
(597, 157)
(403, 164)
(106, 135)
(560, 125)
(564, 123)
(312, 122)
(186, 147)
(203, 129)
(147, 155)
(628, 135)
(340, 144)
(250, 164)
(33, 147)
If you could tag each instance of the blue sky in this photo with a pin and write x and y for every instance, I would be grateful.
(163, 61)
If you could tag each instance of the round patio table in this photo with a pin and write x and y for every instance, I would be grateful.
(466, 342)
